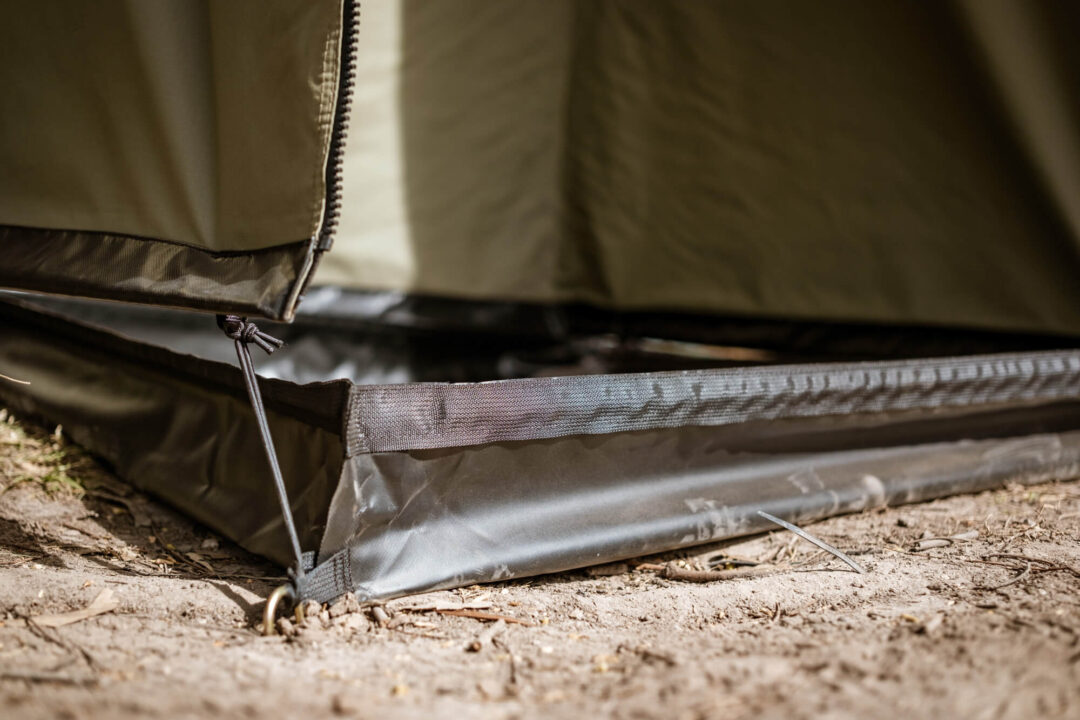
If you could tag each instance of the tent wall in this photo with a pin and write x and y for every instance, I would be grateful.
(172, 151)
(890, 162)
(903, 163)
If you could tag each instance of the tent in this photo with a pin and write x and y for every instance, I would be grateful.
(559, 283)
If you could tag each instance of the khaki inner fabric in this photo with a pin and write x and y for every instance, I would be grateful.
(193, 121)
(896, 162)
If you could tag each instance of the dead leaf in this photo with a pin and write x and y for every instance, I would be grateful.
(198, 560)
(103, 603)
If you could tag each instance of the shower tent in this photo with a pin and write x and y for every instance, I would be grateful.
(607, 278)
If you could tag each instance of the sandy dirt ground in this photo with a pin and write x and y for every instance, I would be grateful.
(970, 608)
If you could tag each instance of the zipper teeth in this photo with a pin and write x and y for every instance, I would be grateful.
(336, 160)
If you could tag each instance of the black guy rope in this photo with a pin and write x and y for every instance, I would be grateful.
(243, 334)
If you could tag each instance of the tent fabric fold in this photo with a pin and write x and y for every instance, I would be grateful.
(139, 270)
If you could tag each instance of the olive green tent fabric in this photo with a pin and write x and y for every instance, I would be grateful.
(198, 123)
(892, 162)
(203, 123)
(888, 162)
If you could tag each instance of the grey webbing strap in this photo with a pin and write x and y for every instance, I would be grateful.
(329, 580)
(243, 333)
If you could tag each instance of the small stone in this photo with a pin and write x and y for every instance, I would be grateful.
(353, 622)
(286, 627)
(310, 608)
(310, 622)
(346, 605)
(380, 615)
(308, 634)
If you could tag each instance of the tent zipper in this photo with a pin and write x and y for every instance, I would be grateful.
(339, 131)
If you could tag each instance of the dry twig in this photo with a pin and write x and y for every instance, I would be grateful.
(810, 538)
(478, 615)
(1016, 579)
(56, 678)
(672, 572)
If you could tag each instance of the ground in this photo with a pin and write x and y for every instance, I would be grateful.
(985, 623)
